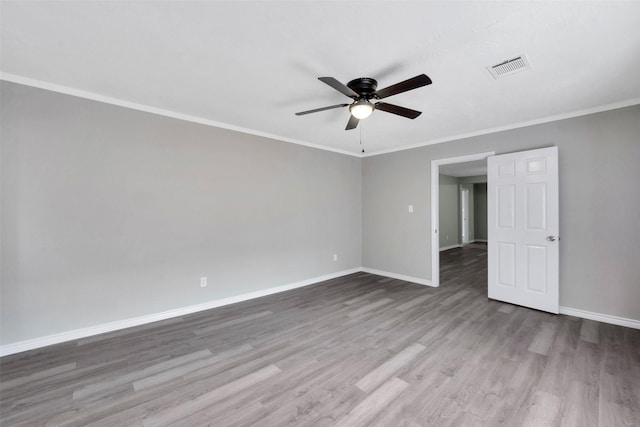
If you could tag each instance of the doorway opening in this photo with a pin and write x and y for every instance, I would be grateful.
(450, 231)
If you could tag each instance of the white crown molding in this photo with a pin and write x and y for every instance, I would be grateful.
(554, 118)
(75, 334)
(13, 78)
(600, 317)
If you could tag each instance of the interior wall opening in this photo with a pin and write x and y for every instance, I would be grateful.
(458, 182)
(463, 224)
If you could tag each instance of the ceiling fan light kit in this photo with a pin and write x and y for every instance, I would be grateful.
(361, 109)
(363, 90)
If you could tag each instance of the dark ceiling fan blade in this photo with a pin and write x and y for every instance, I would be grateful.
(396, 109)
(338, 86)
(352, 123)
(302, 113)
(410, 84)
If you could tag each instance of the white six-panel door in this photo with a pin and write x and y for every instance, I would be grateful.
(523, 230)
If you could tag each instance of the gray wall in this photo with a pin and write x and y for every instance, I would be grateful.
(450, 188)
(110, 213)
(480, 211)
(599, 206)
(470, 214)
(449, 208)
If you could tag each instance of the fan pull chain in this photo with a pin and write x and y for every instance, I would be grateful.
(361, 145)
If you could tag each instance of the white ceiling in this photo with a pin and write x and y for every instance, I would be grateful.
(252, 65)
(474, 168)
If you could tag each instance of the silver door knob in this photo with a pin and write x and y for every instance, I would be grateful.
(551, 238)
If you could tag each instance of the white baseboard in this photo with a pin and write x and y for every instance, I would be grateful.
(604, 318)
(398, 276)
(31, 344)
(446, 248)
(478, 241)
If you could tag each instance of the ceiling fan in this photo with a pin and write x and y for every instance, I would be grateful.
(364, 90)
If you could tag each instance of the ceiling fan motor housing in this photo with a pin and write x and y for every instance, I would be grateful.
(364, 86)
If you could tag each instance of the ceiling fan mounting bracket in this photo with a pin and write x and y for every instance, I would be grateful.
(364, 86)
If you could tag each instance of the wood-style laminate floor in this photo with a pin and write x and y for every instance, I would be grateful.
(357, 350)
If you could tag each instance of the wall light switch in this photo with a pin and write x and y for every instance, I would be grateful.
(410, 208)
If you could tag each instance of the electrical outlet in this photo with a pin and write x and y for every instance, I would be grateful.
(203, 282)
(410, 209)
(335, 257)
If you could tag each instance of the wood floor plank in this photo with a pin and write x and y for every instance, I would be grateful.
(543, 340)
(127, 332)
(186, 409)
(544, 411)
(558, 372)
(250, 414)
(364, 297)
(455, 297)
(589, 331)
(520, 392)
(179, 370)
(581, 406)
(47, 373)
(370, 307)
(132, 376)
(358, 350)
(414, 302)
(587, 363)
(506, 308)
(376, 377)
(490, 391)
(374, 403)
(234, 322)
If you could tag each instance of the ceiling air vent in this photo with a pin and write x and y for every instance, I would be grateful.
(510, 66)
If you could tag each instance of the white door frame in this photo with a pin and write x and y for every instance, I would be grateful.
(435, 207)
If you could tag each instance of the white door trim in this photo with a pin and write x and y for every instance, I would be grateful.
(435, 207)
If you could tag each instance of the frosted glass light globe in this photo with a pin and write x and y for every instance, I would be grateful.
(361, 109)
